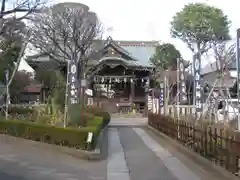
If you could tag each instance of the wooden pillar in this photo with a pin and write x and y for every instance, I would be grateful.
(146, 95)
(132, 92)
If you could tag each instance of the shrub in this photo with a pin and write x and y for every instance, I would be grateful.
(77, 117)
(96, 111)
(93, 109)
(70, 137)
(105, 116)
(81, 119)
(20, 110)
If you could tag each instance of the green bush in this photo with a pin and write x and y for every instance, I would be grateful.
(81, 120)
(20, 110)
(105, 116)
(96, 111)
(70, 137)
(77, 117)
(93, 109)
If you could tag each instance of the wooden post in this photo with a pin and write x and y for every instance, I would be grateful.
(146, 96)
(132, 93)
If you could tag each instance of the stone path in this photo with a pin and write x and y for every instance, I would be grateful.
(128, 122)
(19, 161)
(143, 163)
(133, 154)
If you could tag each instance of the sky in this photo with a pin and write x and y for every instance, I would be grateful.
(150, 19)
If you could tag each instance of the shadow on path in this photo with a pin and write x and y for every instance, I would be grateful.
(5, 176)
(142, 162)
(104, 145)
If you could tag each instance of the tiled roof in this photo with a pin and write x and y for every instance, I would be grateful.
(125, 62)
(141, 50)
(136, 43)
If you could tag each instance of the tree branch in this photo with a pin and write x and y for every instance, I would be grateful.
(69, 32)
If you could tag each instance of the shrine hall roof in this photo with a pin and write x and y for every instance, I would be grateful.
(139, 52)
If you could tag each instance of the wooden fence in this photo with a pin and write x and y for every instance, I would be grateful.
(214, 142)
(153, 106)
(183, 110)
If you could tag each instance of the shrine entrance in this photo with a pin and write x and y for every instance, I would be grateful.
(120, 93)
(120, 82)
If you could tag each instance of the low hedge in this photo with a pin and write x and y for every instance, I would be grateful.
(96, 111)
(70, 137)
(20, 110)
(77, 116)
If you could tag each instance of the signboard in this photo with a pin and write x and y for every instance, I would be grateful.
(89, 137)
(182, 81)
(73, 84)
(161, 98)
(197, 86)
(150, 103)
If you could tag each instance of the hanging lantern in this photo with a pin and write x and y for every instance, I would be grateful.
(131, 80)
(142, 82)
(125, 80)
(147, 82)
(102, 80)
(95, 79)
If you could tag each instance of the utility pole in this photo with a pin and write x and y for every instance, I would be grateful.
(66, 96)
(7, 93)
(66, 90)
(238, 77)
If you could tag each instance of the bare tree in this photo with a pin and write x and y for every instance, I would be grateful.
(66, 31)
(12, 26)
(224, 57)
(13, 12)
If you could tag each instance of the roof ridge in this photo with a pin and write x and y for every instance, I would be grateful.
(136, 43)
(135, 40)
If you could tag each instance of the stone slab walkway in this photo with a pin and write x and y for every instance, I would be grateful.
(136, 156)
(22, 161)
(128, 122)
(143, 163)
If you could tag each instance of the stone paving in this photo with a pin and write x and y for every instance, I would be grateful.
(143, 163)
(133, 154)
(128, 122)
(25, 162)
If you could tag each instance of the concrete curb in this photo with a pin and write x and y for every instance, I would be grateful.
(78, 153)
(127, 126)
(96, 154)
(219, 169)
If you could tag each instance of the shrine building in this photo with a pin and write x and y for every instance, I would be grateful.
(118, 72)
